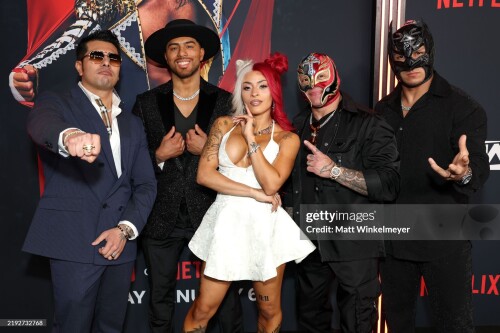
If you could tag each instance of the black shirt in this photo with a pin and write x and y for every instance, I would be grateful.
(357, 140)
(310, 181)
(183, 125)
(432, 128)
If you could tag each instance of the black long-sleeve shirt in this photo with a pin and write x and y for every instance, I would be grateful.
(356, 139)
(432, 128)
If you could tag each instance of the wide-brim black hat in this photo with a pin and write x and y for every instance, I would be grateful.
(156, 43)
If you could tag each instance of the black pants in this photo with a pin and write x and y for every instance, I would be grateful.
(449, 285)
(358, 289)
(161, 258)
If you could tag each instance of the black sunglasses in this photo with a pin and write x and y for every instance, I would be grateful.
(97, 57)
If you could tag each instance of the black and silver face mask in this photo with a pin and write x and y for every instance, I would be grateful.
(404, 42)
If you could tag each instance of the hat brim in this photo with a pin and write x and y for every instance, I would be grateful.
(155, 45)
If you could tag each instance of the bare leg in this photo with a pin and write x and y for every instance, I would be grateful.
(268, 295)
(211, 294)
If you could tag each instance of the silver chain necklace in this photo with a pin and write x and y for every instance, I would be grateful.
(324, 122)
(187, 98)
(405, 108)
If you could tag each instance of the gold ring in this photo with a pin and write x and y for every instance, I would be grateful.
(113, 255)
(88, 148)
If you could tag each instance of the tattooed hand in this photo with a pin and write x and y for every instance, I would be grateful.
(321, 165)
(317, 162)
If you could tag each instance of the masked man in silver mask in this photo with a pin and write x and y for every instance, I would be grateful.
(440, 133)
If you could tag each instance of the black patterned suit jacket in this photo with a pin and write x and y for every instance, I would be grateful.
(177, 180)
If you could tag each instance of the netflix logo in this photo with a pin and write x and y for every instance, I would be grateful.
(446, 4)
(187, 270)
(485, 284)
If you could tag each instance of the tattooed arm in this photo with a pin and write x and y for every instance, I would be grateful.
(353, 179)
(209, 176)
(321, 165)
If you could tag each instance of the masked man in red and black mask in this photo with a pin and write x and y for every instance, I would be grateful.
(349, 156)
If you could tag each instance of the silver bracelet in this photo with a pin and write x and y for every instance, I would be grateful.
(466, 178)
(253, 148)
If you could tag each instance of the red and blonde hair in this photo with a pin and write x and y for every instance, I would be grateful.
(271, 68)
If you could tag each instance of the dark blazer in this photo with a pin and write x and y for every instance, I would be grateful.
(175, 181)
(363, 142)
(81, 199)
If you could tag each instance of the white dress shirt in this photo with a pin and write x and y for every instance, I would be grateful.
(114, 139)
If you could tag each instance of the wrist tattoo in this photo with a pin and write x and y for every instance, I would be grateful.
(253, 148)
(326, 168)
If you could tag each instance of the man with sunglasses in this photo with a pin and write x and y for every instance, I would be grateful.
(441, 133)
(349, 156)
(177, 115)
(99, 190)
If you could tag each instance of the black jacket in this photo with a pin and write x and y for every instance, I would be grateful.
(363, 142)
(175, 181)
(432, 128)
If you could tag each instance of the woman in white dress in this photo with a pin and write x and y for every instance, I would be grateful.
(245, 234)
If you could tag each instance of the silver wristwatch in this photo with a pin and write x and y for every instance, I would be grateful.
(335, 172)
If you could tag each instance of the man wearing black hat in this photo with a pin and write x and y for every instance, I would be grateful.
(176, 116)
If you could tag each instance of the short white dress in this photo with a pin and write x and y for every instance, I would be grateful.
(241, 238)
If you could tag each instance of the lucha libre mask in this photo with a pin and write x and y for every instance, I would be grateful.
(404, 42)
(318, 70)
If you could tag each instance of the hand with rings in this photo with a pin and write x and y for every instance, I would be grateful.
(113, 242)
(87, 149)
(83, 145)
